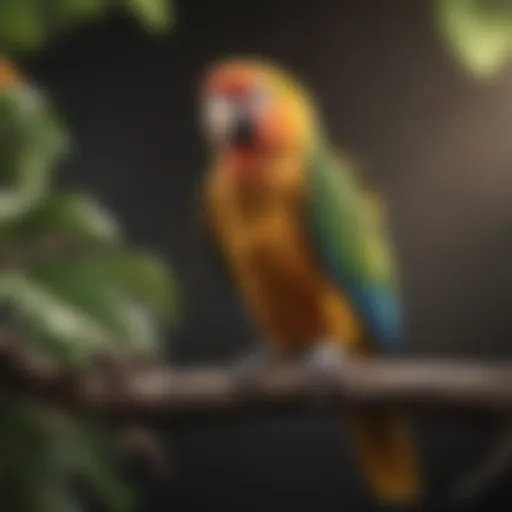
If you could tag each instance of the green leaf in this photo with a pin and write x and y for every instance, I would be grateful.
(155, 15)
(31, 143)
(68, 11)
(41, 457)
(93, 454)
(72, 216)
(21, 23)
(479, 32)
(76, 307)
(42, 311)
(27, 24)
(26, 458)
(87, 286)
(145, 278)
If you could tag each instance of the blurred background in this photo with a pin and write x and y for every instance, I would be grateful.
(432, 129)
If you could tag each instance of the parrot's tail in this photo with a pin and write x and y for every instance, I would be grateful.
(386, 453)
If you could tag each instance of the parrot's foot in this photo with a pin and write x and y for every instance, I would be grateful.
(324, 363)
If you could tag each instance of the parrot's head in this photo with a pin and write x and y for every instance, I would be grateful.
(251, 110)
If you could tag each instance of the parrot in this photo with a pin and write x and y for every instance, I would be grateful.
(303, 243)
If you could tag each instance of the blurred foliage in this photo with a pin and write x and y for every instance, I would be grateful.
(479, 32)
(69, 283)
(63, 268)
(69, 286)
(27, 24)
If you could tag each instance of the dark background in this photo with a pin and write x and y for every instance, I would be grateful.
(435, 140)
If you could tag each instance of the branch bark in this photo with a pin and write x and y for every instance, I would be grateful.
(169, 395)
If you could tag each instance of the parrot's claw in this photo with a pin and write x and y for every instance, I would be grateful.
(328, 356)
(323, 364)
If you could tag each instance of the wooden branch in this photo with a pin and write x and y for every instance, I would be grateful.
(167, 395)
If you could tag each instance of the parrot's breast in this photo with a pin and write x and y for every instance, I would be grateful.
(276, 277)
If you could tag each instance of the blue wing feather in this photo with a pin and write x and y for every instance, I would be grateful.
(380, 310)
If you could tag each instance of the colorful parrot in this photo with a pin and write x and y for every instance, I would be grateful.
(304, 244)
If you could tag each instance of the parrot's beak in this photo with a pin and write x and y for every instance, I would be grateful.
(227, 124)
(243, 132)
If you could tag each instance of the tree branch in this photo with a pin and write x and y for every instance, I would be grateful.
(167, 395)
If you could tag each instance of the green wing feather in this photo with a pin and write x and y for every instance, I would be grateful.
(349, 239)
